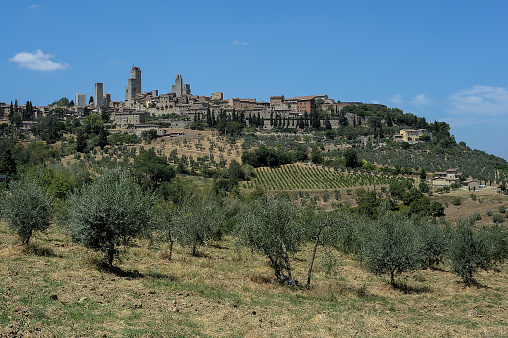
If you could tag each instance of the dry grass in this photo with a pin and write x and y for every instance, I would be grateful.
(58, 290)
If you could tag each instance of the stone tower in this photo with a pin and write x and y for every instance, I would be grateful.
(133, 86)
(179, 88)
(98, 94)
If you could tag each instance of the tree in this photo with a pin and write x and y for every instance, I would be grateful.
(468, 251)
(315, 155)
(393, 245)
(368, 203)
(199, 220)
(93, 124)
(80, 140)
(274, 227)
(90, 100)
(351, 158)
(27, 208)
(150, 170)
(165, 224)
(108, 212)
(7, 163)
(103, 138)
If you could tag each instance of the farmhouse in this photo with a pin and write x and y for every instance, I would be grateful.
(446, 178)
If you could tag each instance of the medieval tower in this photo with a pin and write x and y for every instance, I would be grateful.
(179, 88)
(98, 92)
(133, 86)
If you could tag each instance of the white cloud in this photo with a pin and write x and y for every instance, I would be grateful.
(397, 99)
(38, 61)
(420, 99)
(484, 101)
(34, 6)
(242, 43)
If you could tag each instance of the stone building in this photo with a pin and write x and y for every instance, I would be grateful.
(134, 118)
(98, 94)
(133, 86)
(180, 89)
(80, 100)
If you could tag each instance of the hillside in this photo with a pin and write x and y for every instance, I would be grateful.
(55, 289)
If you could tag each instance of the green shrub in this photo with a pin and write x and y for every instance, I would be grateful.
(456, 201)
(497, 218)
(27, 208)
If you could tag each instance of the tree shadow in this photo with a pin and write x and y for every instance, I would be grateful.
(407, 288)
(473, 283)
(115, 270)
(38, 250)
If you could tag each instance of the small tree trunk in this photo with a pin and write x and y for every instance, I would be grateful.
(171, 249)
(313, 256)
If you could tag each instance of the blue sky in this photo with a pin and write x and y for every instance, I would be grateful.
(445, 60)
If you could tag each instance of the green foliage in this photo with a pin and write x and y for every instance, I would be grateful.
(49, 128)
(398, 188)
(149, 135)
(456, 201)
(108, 212)
(123, 138)
(7, 162)
(498, 218)
(63, 102)
(351, 158)
(93, 124)
(315, 155)
(496, 237)
(468, 251)
(150, 170)
(57, 179)
(347, 232)
(177, 190)
(368, 203)
(393, 245)
(435, 242)
(424, 187)
(266, 157)
(27, 208)
(199, 220)
(273, 226)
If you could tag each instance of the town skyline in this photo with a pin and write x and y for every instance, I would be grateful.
(441, 61)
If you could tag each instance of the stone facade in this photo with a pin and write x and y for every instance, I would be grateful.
(80, 100)
(180, 89)
(133, 86)
(98, 95)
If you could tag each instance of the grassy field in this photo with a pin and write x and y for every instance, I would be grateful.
(56, 289)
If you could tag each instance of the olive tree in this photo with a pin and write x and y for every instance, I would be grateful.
(109, 212)
(199, 220)
(469, 251)
(274, 227)
(27, 208)
(393, 245)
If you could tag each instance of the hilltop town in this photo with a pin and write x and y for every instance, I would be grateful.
(167, 214)
(139, 105)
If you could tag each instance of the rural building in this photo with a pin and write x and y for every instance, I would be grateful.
(124, 119)
(409, 135)
(470, 185)
(447, 178)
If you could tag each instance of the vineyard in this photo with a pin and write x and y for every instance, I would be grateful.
(298, 177)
